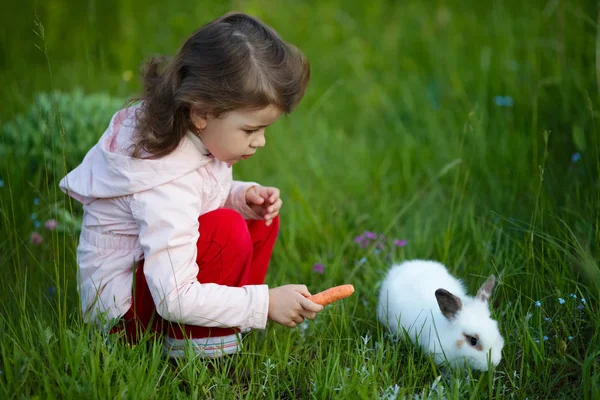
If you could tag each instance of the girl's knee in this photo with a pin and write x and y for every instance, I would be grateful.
(222, 217)
(235, 228)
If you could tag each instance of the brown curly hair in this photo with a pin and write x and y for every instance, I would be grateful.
(235, 61)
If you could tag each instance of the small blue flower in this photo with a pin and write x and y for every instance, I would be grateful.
(377, 251)
(504, 101)
(583, 300)
(548, 319)
(538, 303)
(545, 338)
(576, 157)
(37, 224)
(580, 307)
(561, 300)
(1, 183)
(570, 338)
(33, 217)
(362, 260)
(36, 201)
(573, 296)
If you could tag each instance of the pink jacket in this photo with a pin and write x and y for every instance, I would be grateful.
(134, 209)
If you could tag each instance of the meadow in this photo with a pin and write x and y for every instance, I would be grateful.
(460, 131)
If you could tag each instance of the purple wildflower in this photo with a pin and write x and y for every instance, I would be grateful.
(359, 239)
(370, 235)
(319, 268)
(36, 238)
(50, 224)
(400, 243)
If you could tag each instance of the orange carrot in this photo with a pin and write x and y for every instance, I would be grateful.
(332, 294)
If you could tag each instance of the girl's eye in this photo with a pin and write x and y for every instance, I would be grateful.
(250, 132)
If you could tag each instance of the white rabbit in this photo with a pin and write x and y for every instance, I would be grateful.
(423, 299)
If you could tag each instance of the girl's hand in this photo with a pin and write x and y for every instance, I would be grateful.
(264, 201)
(289, 306)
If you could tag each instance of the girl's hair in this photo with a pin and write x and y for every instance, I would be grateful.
(234, 61)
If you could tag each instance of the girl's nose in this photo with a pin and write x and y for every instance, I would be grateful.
(259, 141)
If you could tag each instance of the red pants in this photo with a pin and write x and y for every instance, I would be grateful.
(231, 252)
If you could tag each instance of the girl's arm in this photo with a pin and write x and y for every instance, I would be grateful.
(168, 220)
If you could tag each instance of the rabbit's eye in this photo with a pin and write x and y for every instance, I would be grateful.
(472, 340)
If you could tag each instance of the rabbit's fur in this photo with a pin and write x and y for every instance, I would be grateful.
(423, 299)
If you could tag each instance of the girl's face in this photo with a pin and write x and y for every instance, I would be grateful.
(236, 135)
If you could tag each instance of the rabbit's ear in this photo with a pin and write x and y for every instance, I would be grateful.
(485, 291)
(449, 304)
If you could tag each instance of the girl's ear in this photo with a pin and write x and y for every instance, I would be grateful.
(198, 118)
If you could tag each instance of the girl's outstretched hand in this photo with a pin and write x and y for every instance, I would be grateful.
(288, 305)
(264, 201)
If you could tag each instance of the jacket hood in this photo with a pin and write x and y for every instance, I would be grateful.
(108, 171)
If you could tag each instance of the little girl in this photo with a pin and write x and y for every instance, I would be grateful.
(170, 244)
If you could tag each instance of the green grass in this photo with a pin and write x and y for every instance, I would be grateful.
(399, 133)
